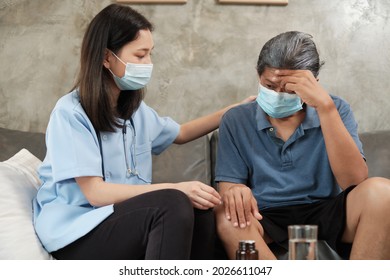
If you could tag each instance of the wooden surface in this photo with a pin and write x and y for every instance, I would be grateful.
(264, 2)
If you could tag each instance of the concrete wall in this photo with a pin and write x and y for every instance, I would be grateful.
(205, 54)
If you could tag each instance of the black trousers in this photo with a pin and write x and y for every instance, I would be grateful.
(329, 215)
(156, 225)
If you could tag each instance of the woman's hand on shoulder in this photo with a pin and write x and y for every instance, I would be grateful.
(249, 99)
(201, 195)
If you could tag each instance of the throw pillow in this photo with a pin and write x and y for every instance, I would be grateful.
(18, 186)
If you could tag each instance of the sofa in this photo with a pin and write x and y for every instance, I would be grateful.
(22, 152)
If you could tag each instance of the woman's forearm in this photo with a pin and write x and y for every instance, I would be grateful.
(201, 126)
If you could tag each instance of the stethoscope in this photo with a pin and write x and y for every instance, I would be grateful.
(129, 171)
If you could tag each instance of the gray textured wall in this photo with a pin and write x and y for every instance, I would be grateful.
(204, 56)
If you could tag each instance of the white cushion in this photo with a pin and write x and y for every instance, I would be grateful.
(18, 186)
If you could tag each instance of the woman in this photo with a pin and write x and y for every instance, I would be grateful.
(96, 200)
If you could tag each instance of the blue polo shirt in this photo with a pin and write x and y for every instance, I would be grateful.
(279, 173)
(62, 214)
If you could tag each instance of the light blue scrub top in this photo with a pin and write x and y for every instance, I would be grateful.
(62, 214)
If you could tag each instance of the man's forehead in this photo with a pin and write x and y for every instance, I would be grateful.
(270, 70)
(269, 73)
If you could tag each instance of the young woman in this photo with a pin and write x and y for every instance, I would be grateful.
(96, 200)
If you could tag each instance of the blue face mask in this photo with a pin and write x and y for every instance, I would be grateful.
(278, 104)
(136, 76)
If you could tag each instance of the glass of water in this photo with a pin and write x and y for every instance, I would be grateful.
(302, 243)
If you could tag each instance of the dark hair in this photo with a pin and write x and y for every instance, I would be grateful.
(290, 50)
(111, 28)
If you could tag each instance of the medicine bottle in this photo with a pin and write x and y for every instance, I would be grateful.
(247, 250)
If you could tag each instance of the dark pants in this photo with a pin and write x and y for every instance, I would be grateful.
(156, 225)
(329, 215)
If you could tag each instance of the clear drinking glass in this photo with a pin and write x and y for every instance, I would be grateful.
(302, 243)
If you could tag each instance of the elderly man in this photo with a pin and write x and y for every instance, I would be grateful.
(294, 157)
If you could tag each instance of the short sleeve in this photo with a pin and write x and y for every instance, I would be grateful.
(230, 166)
(162, 131)
(170, 130)
(72, 146)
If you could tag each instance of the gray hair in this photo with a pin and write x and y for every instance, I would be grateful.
(290, 50)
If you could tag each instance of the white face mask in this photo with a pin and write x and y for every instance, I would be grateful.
(136, 75)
